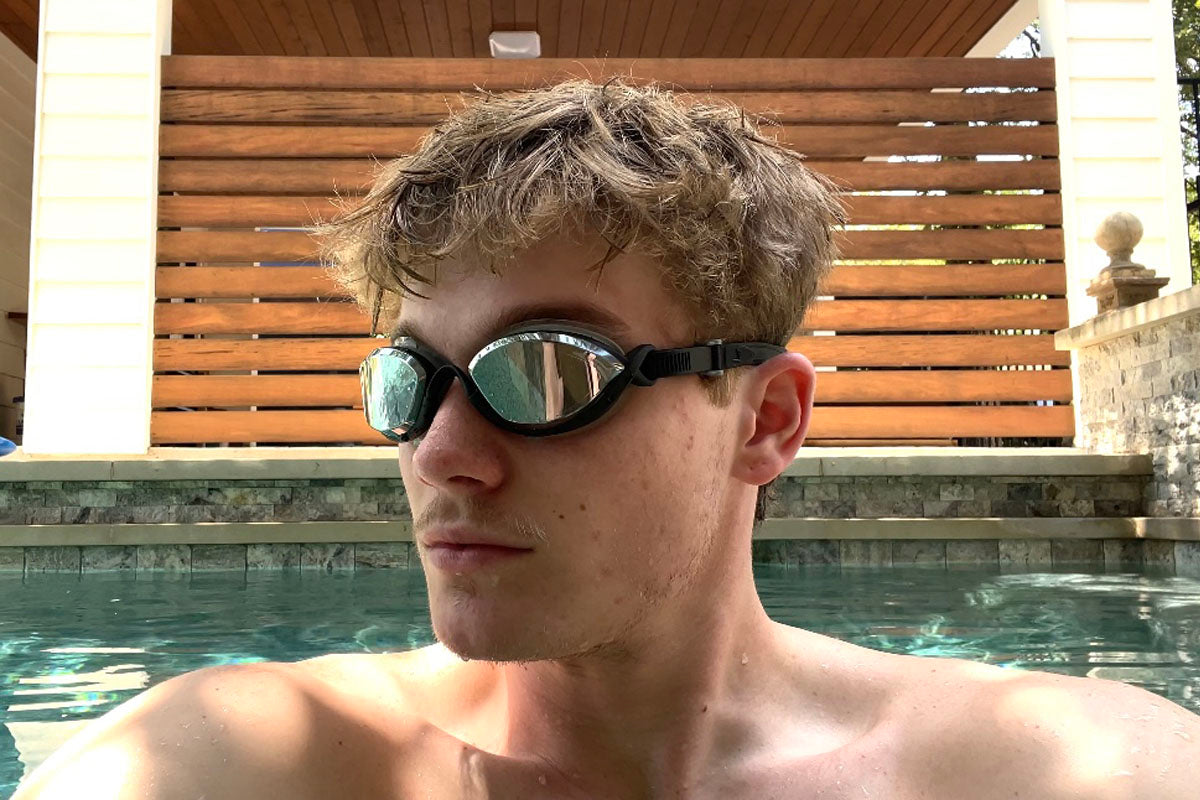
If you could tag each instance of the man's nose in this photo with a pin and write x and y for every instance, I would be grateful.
(459, 452)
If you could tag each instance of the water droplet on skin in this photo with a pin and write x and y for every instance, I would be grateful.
(1182, 735)
(542, 780)
(745, 658)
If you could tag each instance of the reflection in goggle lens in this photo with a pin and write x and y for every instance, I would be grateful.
(392, 389)
(531, 380)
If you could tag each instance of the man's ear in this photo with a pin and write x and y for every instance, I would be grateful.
(778, 400)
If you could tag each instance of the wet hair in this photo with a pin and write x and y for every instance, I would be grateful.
(741, 229)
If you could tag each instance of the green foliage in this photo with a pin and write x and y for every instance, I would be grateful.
(1187, 65)
(1187, 38)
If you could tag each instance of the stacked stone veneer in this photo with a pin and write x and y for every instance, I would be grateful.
(89, 503)
(335, 499)
(1140, 393)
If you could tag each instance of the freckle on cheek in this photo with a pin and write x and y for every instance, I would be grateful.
(582, 507)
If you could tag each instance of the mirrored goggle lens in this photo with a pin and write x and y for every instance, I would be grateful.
(535, 378)
(392, 388)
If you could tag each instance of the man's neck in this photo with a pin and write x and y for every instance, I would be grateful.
(653, 714)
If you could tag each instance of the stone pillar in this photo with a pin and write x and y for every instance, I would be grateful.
(92, 254)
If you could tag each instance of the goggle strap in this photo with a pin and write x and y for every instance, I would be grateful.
(708, 359)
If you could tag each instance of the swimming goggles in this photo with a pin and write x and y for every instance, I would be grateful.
(539, 379)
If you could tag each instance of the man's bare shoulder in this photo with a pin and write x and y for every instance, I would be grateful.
(248, 730)
(981, 731)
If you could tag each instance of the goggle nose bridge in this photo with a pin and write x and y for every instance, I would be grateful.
(438, 385)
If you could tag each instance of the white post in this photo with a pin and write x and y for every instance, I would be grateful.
(1119, 144)
(1118, 114)
(92, 253)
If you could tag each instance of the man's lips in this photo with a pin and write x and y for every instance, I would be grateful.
(453, 537)
(460, 550)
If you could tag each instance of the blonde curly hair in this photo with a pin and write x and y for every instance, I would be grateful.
(741, 228)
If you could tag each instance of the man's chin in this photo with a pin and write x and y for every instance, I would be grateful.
(484, 638)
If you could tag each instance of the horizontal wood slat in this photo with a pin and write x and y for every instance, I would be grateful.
(965, 209)
(174, 427)
(248, 211)
(216, 282)
(948, 386)
(838, 315)
(346, 353)
(269, 142)
(256, 390)
(717, 74)
(318, 176)
(341, 141)
(845, 279)
(382, 107)
(232, 247)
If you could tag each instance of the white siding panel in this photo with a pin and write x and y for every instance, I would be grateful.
(112, 137)
(102, 177)
(124, 218)
(88, 54)
(107, 95)
(1109, 20)
(107, 387)
(92, 275)
(89, 260)
(1114, 99)
(121, 346)
(1111, 58)
(99, 16)
(90, 304)
(1118, 178)
(1117, 138)
(46, 417)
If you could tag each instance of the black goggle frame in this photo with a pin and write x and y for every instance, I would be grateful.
(642, 366)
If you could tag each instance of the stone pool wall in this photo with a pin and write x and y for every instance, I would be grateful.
(1180, 557)
(152, 505)
(338, 499)
(1139, 392)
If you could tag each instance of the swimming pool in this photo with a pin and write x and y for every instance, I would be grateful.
(74, 647)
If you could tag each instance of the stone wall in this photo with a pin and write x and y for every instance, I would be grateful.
(1140, 393)
(344, 499)
(1179, 557)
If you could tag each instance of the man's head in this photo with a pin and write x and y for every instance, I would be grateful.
(650, 220)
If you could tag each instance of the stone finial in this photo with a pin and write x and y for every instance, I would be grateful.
(1117, 235)
(1122, 283)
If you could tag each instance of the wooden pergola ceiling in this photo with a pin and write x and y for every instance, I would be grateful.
(568, 28)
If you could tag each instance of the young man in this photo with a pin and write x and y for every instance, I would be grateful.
(583, 507)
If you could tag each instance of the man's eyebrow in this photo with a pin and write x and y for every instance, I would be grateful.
(585, 313)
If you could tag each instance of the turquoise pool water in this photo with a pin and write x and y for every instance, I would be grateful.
(72, 648)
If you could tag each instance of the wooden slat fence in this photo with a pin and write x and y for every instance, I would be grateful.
(936, 326)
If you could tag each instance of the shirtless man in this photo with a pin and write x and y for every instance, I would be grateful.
(587, 550)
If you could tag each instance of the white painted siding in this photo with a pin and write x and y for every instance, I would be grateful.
(17, 79)
(1119, 122)
(92, 260)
